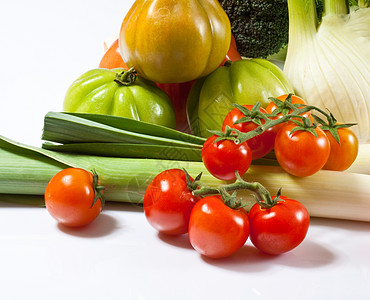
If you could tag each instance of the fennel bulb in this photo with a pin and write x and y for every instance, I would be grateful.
(328, 63)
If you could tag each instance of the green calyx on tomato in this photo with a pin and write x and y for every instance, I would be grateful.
(285, 104)
(120, 92)
(126, 77)
(245, 81)
(253, 115)
(331, 125)
(98, 189)
(246, 118)
(343, 141)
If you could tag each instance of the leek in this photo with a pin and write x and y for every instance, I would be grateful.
(26, 170)
(72, 128)
(328, 63)
(129, 150)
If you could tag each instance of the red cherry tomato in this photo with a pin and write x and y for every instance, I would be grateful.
(168, 202)
(301, 153)
(261, 144)
(69, 198)
(294, 100)
(216, 230)
(280, 228)
(344, 154)
(225, 157)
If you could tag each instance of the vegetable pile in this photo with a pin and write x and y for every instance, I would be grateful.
(157, 110)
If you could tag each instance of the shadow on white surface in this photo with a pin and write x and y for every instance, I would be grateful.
(179, 241)
(250, 259)
(102, 226)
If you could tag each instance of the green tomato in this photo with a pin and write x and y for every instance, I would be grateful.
(245, 81)
(119, 92)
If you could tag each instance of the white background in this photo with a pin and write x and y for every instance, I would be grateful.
(44, 46)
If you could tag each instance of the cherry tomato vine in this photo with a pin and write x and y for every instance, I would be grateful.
(302, 151)
(218, 223)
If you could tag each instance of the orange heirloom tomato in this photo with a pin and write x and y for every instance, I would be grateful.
(69, 197)
(170, 41)
(233, 53)
(112, 58)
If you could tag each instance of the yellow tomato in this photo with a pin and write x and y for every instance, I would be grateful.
(171, 41)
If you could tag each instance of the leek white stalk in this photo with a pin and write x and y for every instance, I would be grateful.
(329, 63)
(26, 170)
(362, 163)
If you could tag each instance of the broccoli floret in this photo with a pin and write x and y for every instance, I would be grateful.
(260, 27)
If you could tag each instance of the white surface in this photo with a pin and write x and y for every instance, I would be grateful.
(45, 45)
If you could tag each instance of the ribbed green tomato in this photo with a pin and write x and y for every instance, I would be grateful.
(245, 82)
(121, 93)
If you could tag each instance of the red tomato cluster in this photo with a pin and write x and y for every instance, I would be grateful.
(217, 230)
(303, 154)
(300, 153)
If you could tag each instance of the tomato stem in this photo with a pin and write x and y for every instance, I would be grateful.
(126, 77)
(261, 194)
(290, 112)
(98, 189)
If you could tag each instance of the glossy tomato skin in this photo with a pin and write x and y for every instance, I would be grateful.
(224, 157)
(69, 196)
(261, 144)
(168, 202)
(294, 100)
(301, 153)
(216, 230)
(280, 228)
(97, 91)
(175, 41)
(344, 154)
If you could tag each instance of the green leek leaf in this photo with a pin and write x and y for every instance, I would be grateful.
(69, 128)
(129, 150)
(141, 127)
